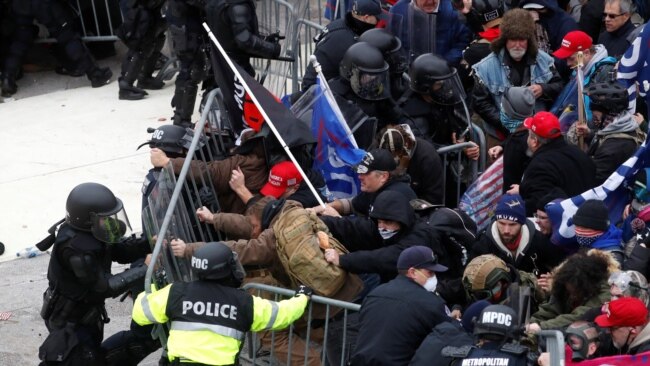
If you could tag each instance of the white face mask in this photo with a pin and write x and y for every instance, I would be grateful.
(431, 284)
(386, 234)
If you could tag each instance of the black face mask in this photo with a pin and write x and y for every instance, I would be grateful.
(357, 25)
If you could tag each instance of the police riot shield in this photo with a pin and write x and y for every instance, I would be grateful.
(520, 300)
(421, 32)
(170, 268)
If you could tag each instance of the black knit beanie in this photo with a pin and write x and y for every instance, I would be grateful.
(592, 214)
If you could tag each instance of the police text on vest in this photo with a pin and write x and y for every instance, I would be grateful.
(210, 309)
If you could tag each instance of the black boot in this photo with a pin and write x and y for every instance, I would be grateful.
(8, 86)
(99, 76)
(129, 92)
(130, 68)
(145, 77)
(184, 99)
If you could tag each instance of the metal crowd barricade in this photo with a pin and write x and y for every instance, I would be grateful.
(452, 156)
(97, 20)
(277, 293)
(304, 32)
(177, 215)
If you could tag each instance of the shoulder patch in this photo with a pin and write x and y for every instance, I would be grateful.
(456, 352)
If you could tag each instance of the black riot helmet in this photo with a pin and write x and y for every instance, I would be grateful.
(498, 321)
(173, 140)
(364, 67)
(389, 45)
(431, 75)
(487, 11)
(93, 207)
(215, 261)
(609, 98)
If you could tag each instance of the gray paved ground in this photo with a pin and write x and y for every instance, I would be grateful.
(22, 283)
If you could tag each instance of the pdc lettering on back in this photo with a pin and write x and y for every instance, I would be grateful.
(210, 309)
(491, 317)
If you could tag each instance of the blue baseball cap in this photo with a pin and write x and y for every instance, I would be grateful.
(419, 256)
(368, 7)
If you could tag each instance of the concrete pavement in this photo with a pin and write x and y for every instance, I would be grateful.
(57, 133)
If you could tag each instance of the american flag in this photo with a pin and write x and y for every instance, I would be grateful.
(480, 199)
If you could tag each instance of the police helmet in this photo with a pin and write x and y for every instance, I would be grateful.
(432, 75)
(487, 11)
(483, 275)
(364, 67)
(171, 139)
(610, 97)
(497, 320)
(93, 207)
(389, 45)
(215, 261)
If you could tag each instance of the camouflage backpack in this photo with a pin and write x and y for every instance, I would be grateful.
(297, 235)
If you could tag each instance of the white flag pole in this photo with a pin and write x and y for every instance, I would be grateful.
(263, 112)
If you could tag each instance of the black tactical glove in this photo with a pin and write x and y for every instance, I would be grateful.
(304, 290)
(274, 37)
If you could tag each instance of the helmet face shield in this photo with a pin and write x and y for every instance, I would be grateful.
(447, 91)
(370, 85)
(111, 227)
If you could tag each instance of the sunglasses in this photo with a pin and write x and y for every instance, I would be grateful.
(612, 16)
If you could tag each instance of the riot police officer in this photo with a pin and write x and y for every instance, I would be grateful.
(391, 47)
(129, 347)
(210, 317)
(143, 31)
(189, 43)
(79, 274)
(434, 100)
(234, 23)
(363, 90)
(56, 16)
(496, 329)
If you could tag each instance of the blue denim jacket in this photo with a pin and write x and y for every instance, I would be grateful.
(493, 72)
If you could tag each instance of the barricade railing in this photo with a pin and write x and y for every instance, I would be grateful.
(304, 32)
(343, 309)
(554, 346)
(97, 20)
(452, 156)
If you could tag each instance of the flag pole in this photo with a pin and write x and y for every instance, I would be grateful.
(263, 112)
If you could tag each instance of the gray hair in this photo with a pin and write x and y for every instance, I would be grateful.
(625, 5)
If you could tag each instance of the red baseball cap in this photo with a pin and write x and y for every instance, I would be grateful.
(623, 312)
(282, 176)
(544, 124)
(573, 42)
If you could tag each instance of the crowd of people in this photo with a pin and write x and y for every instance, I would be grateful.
(552, 85)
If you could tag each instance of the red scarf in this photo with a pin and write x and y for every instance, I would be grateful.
(514, 244)
(490, 34)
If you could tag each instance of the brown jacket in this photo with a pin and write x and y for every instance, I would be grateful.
(253, 167)
(235, 226)
(261, 251)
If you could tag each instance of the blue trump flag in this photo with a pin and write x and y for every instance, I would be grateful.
(336, 149)
(613, 192)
